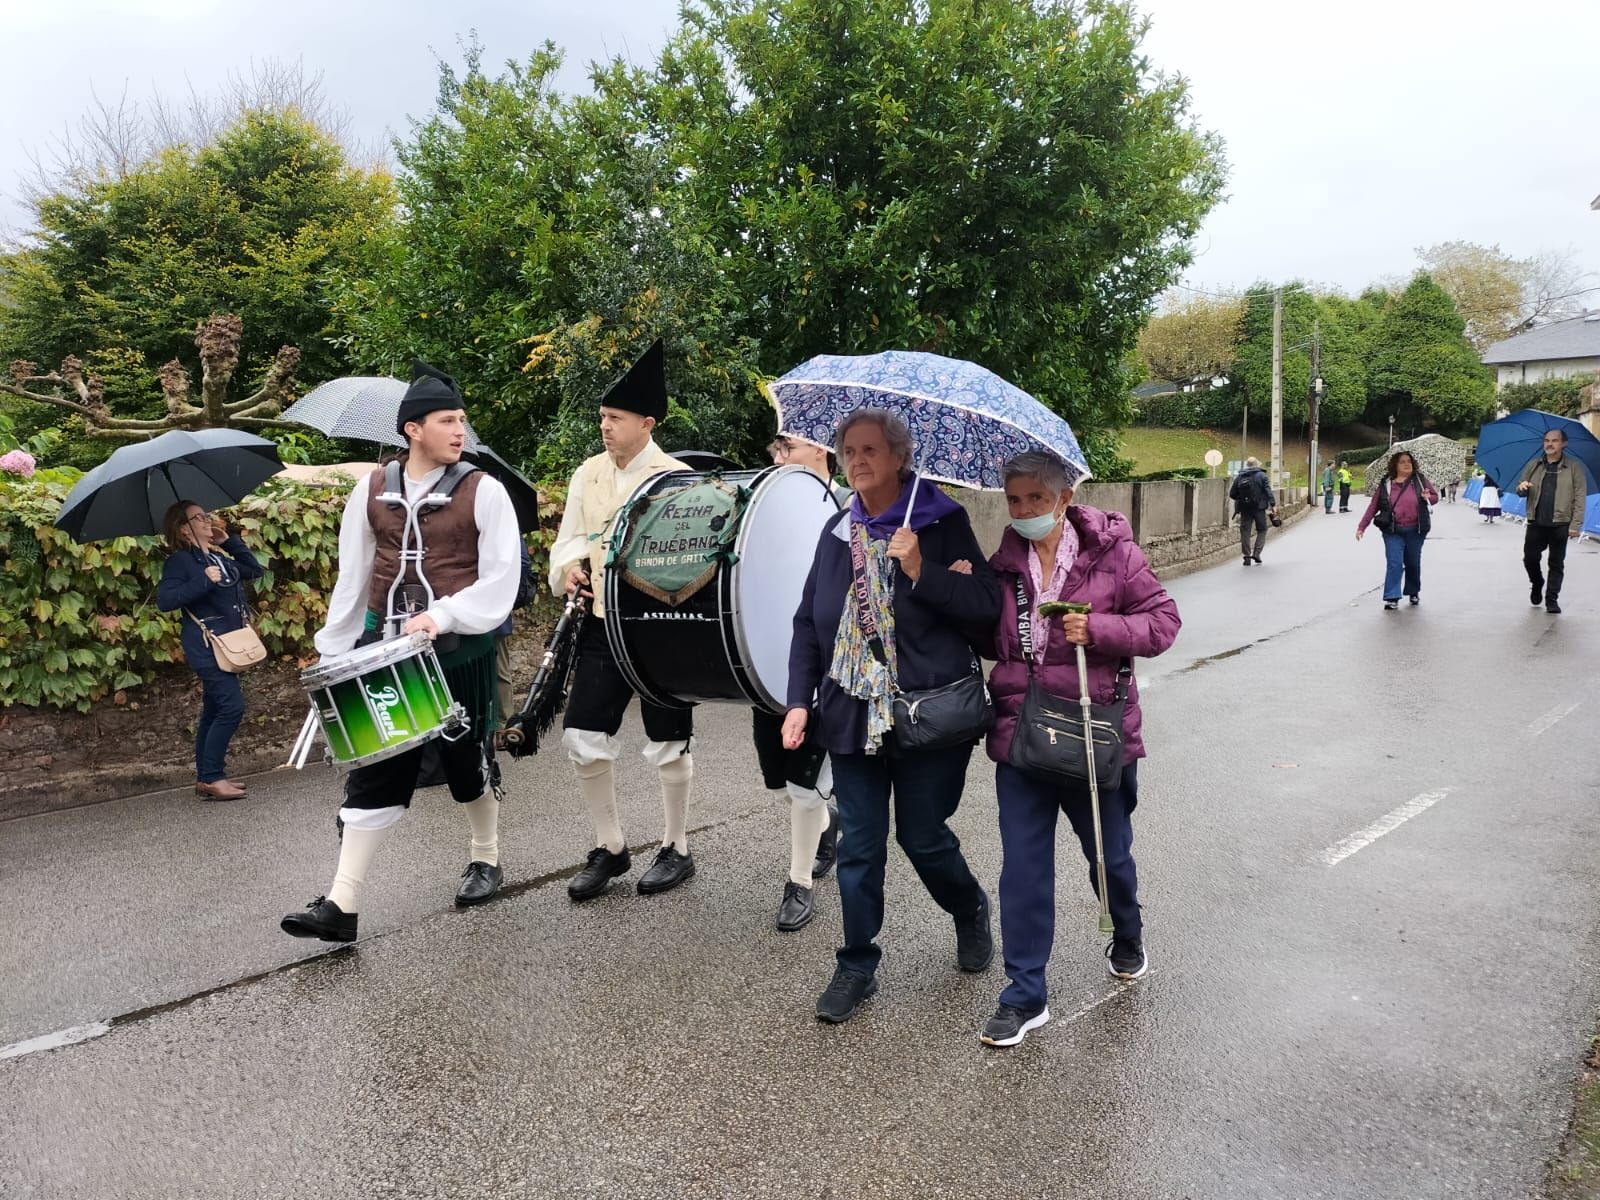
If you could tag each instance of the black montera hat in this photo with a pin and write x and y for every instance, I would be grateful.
(431, 390)
(642, 388)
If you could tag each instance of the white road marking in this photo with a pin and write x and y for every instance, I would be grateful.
(1114, 992)
(1551, 717)
(51, 1041)
(1388, 823)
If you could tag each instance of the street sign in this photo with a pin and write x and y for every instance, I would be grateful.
(1235, 465)
(1213, 458)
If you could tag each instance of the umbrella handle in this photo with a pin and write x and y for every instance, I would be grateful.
(911, 500)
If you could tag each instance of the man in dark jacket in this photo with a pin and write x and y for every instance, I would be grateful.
(1252, 501)
(1557, 489)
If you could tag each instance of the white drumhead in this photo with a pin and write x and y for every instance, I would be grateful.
(777, 541)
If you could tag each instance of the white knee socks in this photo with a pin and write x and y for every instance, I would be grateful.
(356, 853)
(805, 828)
(676, 777)
(483, 814)
(599, 787)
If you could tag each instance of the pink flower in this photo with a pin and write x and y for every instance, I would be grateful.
(18, 462)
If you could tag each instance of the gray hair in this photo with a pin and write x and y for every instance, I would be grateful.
(895, 432)
(1043, 466)
(1252, 461)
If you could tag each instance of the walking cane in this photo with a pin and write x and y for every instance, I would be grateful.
(1094, 780)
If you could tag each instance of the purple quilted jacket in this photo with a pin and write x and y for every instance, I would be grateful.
(1132, 617)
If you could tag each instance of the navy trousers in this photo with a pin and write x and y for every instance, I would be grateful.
(221, 710)
(1028, 808)
(925, 788)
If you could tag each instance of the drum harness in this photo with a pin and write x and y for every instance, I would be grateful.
(414, 597)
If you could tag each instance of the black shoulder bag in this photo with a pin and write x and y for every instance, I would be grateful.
(1049, 736)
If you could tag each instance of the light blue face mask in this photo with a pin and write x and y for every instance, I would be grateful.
(1034, 528)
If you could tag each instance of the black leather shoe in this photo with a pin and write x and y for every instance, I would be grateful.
(974, 940)
(322, 919)
(827, 846)
(796, 909)
(1536, 594)
(602, 868)
(667, 872)
(1550, 605)
(479, 882)
(844, 995)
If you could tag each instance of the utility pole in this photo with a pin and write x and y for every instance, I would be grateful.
(1277, 387)
(1316, 408)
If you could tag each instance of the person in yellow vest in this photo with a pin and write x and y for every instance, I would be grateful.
(457, 585)
(1345, 480)
(630, 409)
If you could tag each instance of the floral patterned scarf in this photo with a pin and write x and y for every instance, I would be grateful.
(864, 660)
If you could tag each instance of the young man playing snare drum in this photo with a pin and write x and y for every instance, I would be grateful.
(465, 589)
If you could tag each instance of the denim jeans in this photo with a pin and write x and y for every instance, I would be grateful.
(1028, 809)
(926, 788)
(1402, 551)
(221, 710)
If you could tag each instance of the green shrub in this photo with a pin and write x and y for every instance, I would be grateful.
(78, 622)
(1561, 396)
(1169, 474)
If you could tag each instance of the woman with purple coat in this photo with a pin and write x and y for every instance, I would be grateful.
(1058, 550)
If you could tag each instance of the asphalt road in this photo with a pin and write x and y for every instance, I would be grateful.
(1367, 848)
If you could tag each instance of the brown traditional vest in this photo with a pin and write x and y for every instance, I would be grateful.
(449, 540)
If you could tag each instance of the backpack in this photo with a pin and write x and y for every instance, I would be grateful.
(1249, 492)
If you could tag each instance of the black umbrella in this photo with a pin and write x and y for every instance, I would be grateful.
(704, 460)
(129, 493)
(524, 497)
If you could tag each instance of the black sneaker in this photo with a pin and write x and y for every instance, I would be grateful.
(1415, 599)
(974, 941)
(1550, 605)
(667, 872)
(1125, 958)
(479, 883)
(1536, 594)
(322, 919)
(1010, 1025)
(827, 846)
(1257, 557)
(1247, 560)
(1391, 605)
(796, 909)
(844, 994)
(603, 866)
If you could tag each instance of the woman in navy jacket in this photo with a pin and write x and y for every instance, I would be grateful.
(204, 576)
(912, 628)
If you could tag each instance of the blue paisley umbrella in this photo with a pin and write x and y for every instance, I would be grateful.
(965, 421)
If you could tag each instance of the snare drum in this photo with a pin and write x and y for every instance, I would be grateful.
(382, 700)
(728, 639)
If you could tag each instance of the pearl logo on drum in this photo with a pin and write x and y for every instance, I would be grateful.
(384, 700)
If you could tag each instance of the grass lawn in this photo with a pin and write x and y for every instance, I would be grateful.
(1154, 448)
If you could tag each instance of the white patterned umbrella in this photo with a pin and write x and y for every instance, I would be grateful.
(364, 407)
(1442, 460)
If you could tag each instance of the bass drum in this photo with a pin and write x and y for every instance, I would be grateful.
(729, 640)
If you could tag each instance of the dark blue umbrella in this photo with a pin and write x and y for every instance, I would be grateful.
(1508, 445)
(129, 493)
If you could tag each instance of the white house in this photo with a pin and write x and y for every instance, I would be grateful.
(1560, 349)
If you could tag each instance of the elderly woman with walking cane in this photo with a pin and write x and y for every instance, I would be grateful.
(1078, 603)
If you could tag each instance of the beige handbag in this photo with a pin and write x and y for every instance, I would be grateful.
(235, 651)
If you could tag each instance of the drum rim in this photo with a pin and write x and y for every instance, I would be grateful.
(357, 662)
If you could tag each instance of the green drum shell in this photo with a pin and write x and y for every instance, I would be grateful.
(381, 700)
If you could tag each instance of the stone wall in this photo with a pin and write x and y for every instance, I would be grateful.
(1183, 525)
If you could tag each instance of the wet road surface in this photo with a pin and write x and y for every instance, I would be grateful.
(1367, 848)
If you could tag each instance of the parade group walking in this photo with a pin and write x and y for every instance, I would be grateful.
(869, 719)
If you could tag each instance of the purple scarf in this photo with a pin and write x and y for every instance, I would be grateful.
(932, 505)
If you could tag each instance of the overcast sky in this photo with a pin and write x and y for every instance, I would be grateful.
(1356, 131)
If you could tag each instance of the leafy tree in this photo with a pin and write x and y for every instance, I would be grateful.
(1423, 370)
(1498, 295)
(1192, 342)
(993, 181)
(999, 181)
(121, 269)
(543, 249)
(1342, 327)
(1567, 396)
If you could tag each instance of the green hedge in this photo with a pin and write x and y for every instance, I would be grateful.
(1206, 409)
(79, 622)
